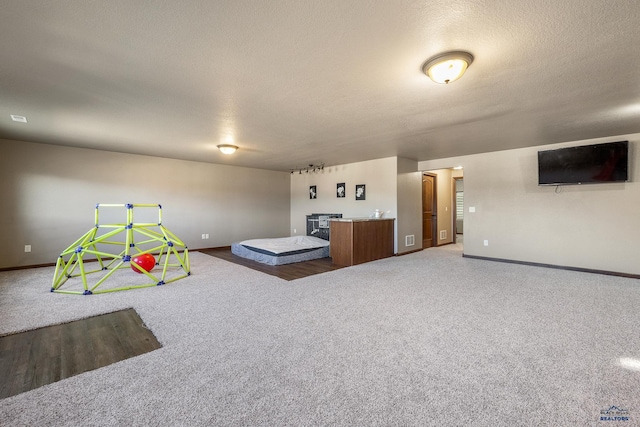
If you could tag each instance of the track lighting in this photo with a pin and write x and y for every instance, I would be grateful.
(309, 169)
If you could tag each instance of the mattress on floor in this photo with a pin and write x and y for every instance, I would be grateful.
(282, 250)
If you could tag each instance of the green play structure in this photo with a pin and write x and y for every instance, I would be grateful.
(109, 248)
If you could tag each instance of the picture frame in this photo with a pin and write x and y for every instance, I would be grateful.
(361, 192)
(313, 192)
(341, 190)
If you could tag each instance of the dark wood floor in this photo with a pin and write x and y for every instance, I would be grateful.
(42, 356)
(293, 271)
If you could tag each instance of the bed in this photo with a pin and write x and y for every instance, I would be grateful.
(287, 250)
(282, 250)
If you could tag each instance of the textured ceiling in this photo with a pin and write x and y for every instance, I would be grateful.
(300, 82)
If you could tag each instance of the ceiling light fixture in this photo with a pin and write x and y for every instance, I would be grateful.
(227, 148)
(311, 168)
(21, 119)
(447, 67)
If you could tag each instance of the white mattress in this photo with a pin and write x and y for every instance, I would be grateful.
(286, 244)
(282, 250)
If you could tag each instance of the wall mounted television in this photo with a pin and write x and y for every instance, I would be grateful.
(586, 164)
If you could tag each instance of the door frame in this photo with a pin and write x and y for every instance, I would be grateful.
(455, 207)
(434, 224)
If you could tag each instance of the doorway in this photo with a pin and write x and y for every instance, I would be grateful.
(429, 210)
(458, 200)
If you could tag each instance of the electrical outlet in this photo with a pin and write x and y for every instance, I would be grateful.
(206, 236)
(295, 230)
(486, 243)
(203, 236)
(27, 248)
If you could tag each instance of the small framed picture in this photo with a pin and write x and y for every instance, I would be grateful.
(313, 194)
(361, 192)
(341, 190)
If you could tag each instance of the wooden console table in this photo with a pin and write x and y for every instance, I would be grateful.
(359, 240)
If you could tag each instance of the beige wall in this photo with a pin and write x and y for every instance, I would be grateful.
(379, 176)
(586, 226)
(49, 195)
(409, 221)
(390, 182)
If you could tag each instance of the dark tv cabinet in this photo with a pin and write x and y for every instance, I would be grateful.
(359, 240)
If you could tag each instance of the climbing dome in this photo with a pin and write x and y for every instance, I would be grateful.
(111, 251)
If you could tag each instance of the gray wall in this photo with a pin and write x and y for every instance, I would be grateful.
(592, 226)
(49, 195)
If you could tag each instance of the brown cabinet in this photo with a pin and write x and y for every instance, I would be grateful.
(354, 241)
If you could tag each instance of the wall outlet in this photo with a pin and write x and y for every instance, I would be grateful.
(410, 240)
(472, 209)
(27, 248)
(205, 236)
(295, 231)
(486, 243)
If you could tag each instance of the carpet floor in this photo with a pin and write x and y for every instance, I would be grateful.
(426, 339)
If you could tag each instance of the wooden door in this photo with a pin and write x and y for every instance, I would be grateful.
(429, 211)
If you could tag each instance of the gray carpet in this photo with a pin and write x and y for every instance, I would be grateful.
(426, 339)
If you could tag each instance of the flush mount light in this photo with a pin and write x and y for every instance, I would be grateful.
(447, 67)
(227, 148)
(21, 119)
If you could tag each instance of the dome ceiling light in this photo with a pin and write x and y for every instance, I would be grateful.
(447, 67)
(227, 148)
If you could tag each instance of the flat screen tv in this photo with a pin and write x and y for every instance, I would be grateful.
(586, 164)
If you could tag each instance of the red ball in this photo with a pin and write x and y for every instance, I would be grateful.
(145, 261)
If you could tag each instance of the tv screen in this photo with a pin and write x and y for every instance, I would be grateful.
(587, 164)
